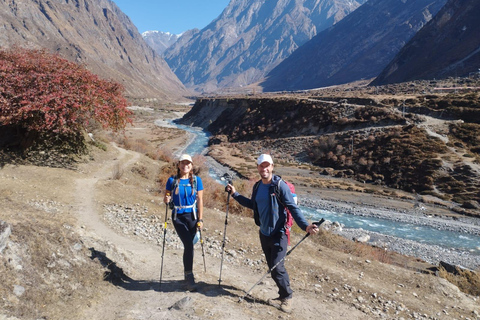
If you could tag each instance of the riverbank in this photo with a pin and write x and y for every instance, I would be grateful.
(369, 205)
(430, 253)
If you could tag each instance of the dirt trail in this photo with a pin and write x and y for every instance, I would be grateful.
(141, 297)
(439, 128)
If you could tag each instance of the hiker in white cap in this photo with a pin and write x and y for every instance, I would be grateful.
(184, 194)
(270, 215)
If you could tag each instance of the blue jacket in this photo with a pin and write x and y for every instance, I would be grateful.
(276, 221)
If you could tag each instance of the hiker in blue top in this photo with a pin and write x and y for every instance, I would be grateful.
(184, 193)
(270, 215)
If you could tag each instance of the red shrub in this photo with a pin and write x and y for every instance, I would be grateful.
(44, 94)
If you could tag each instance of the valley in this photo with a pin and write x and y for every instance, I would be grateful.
(105, 218)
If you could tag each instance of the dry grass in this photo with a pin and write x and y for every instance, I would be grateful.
(466, 280)
(117, 172)
(338, 243)
(39, 259)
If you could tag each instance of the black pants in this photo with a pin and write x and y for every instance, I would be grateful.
(186, 228)
(275, 249)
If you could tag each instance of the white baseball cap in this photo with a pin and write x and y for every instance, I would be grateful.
(264, 158)
(185, 157)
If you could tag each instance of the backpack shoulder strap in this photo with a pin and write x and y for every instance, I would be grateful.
(277, 192)
(175, 182)
(255, 188)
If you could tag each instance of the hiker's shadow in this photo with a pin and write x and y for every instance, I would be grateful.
(117, 277)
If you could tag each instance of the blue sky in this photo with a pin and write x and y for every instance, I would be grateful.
(174, 16)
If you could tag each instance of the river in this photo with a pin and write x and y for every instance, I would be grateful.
(451, 241)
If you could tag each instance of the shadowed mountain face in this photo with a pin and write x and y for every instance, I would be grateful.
(356, 48)
(250, 38)
(449, 46)
(95, 33)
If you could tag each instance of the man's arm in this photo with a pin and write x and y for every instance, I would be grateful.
(244, 201)
(297, 214)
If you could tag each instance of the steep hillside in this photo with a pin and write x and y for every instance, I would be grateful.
(413, 142)
(356, 48)
(95, 33)
(449, 46)
(249, 38)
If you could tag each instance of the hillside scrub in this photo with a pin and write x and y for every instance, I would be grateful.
(403, 158)
(44, 97)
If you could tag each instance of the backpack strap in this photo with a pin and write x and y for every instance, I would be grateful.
(254, 194)
(277, 193)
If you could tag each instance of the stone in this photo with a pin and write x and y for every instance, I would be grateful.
(5, 232)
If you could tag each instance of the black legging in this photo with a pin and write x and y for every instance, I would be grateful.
(186, 229)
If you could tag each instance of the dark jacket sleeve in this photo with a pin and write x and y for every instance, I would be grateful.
(297, 214)
(244, 201)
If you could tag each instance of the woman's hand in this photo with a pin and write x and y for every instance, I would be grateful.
(200, 224)
(167, 198)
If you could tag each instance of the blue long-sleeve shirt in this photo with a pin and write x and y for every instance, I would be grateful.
(275, 221)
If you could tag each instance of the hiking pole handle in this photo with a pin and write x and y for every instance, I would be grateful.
(319, 223)
(229, 182)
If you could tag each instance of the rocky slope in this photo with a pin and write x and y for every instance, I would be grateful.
(95, 33)
(358, 47)
(449, 46)
(377, 139)
(249, 38)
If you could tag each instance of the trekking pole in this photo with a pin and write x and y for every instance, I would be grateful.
(164, 236)
(276, 265)
(203, 250)
(224, 235)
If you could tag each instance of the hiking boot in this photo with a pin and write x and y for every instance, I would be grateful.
(283, 304)
(286, 305)
(275, 302)
(190, 281)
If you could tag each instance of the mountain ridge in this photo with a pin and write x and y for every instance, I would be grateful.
(449, 46)
(356, 48)
(248, 39)
(159, 40)
(94, 33)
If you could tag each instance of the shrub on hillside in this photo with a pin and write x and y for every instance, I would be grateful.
(404, 158)
(43, 96)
